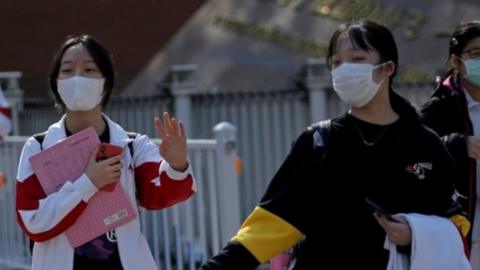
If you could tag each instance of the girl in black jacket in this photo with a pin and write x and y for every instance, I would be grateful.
(454, 113)
(379, 150)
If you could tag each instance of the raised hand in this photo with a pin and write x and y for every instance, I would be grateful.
(173, 147)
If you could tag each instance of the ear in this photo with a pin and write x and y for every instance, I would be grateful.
(389, 68)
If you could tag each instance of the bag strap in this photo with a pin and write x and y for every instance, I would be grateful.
(132, 135)
(40, 137)
(320, 132)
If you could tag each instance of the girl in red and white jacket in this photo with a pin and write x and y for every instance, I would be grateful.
(153, 177)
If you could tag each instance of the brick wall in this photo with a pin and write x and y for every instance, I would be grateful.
(133, 31)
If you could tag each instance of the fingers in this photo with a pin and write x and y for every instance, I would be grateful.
(112, 172)
(181, 129)
(175, 128)
(169, 126)
(116, 167)
(387, 223)
(166, 121)
(93, 157)
(113, 160)
(398, 230)
(160, 128)
(379, 219)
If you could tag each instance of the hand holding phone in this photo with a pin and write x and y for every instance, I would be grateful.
(376, 208)
(106, 151)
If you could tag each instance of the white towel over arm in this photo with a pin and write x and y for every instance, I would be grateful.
(436, 245)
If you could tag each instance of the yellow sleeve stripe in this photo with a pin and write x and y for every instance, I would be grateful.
(265, 235)
(462, 223)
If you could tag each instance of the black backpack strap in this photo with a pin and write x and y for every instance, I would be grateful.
(131, 135)
(320, 132)
(40, 137)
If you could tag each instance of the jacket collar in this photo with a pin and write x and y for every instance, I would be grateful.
(454, 85)
(56, 132)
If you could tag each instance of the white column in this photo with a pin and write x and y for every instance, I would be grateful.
(183, 84)
(318, 82)
(228, 186)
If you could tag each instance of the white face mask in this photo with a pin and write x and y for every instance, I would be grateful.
(81, 93)
(354, 83)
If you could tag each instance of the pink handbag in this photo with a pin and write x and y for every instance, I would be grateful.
(280, 262)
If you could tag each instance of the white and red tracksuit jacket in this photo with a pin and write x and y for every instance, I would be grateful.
(5, 116)
(147, 179)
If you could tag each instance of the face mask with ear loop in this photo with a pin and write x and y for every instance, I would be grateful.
(354, 83)
(472, 67)
(81, 93)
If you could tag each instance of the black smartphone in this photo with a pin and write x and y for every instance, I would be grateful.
(378, 209)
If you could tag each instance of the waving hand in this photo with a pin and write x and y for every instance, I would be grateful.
(173, 147)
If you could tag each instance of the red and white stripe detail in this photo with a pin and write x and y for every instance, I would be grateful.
(158, 186)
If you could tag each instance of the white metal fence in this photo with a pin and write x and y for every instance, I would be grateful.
(133, 113)
(180, 237)
(268, 123)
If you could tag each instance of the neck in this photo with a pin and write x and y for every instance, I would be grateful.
(76, 121)
(378, 111)
(473, 91)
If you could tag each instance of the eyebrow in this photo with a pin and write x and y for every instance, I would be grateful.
(352, 50)
(70, 61)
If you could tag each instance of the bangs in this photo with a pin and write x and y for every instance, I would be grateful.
(359, 38)
(366, 36)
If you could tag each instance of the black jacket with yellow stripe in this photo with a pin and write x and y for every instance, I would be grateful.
(321, 194)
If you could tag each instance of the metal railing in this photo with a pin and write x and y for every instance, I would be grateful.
(268, 121)
(180, 237)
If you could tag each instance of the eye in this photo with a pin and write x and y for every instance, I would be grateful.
(358, 59)
(91, 70)
(475, 53)
(472, 53)
(65, 70)
(336, 63)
